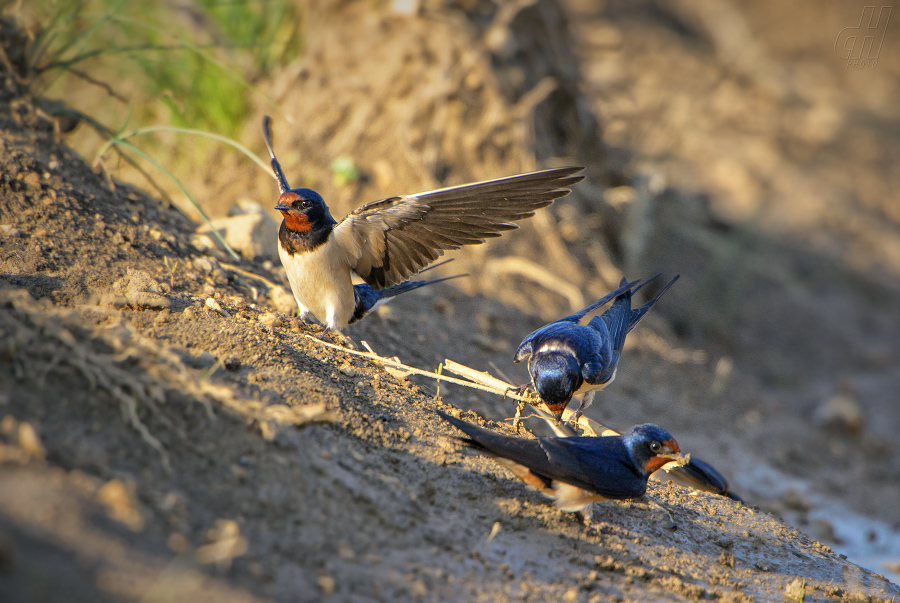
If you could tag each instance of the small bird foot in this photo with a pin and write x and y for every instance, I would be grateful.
(573, 420)
(519, 390)
(585, 402)
(520, 406)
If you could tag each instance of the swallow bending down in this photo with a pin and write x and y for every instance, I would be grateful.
(577, 471)
(388, 241)
(566, 358)
(695, 473)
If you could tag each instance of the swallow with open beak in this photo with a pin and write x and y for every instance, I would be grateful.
(566, 358)
(388, 241)
(576, 471)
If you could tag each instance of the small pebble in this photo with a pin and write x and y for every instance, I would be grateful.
(270, 319)
(215, 306)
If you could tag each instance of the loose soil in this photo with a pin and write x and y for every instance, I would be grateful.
(162, 447)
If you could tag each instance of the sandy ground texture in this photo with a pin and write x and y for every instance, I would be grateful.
(166, 434)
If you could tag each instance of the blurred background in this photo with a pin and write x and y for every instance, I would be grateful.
(750, 147)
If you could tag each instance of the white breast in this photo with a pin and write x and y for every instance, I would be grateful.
(594, 387)
(321, 283)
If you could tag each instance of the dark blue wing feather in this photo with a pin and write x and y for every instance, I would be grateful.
(596, 464)
(623, 286)
(638, 313)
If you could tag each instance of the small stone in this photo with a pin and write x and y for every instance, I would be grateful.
(842, 411)
(33, 180)
(203, 242)
(327, 585)
(232, 363)
(418, 590)
(29, 441)
(120, 504)
(345, 551)
(249, 230)
(348, 370)
(283, 301)
(206, 264)
(226, 543)
(141, 290)
(215, 306)
(726, 559)
(795, 591)
(270, 319)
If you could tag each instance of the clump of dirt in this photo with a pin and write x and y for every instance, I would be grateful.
(211, 450)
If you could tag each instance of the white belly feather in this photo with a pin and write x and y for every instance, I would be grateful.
(321, 283)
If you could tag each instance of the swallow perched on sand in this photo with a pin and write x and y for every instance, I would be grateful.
(566, 358)
(388, 241)
(577, 471)
(695, 473)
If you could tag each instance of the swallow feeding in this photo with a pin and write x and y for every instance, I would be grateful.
(388, 241)
(577, 471)
(566, 358)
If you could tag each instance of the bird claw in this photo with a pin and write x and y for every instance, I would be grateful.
(520, 406)
(519, 390)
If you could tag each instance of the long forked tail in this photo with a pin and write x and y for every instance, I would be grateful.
(638, 313)
(367, 298)
(620, 318)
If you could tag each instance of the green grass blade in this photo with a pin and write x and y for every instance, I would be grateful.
(219, 137)
(181, 187)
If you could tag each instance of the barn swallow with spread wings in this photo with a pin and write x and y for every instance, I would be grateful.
(576, 471)
(388, 241)
(566, 358)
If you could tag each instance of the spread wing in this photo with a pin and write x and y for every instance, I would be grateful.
(390, 240)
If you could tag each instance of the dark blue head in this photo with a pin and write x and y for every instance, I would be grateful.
(556, 377)
(304, 211)
(650, 447)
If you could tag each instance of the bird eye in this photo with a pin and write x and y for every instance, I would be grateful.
(305, 204)
(655, 446)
